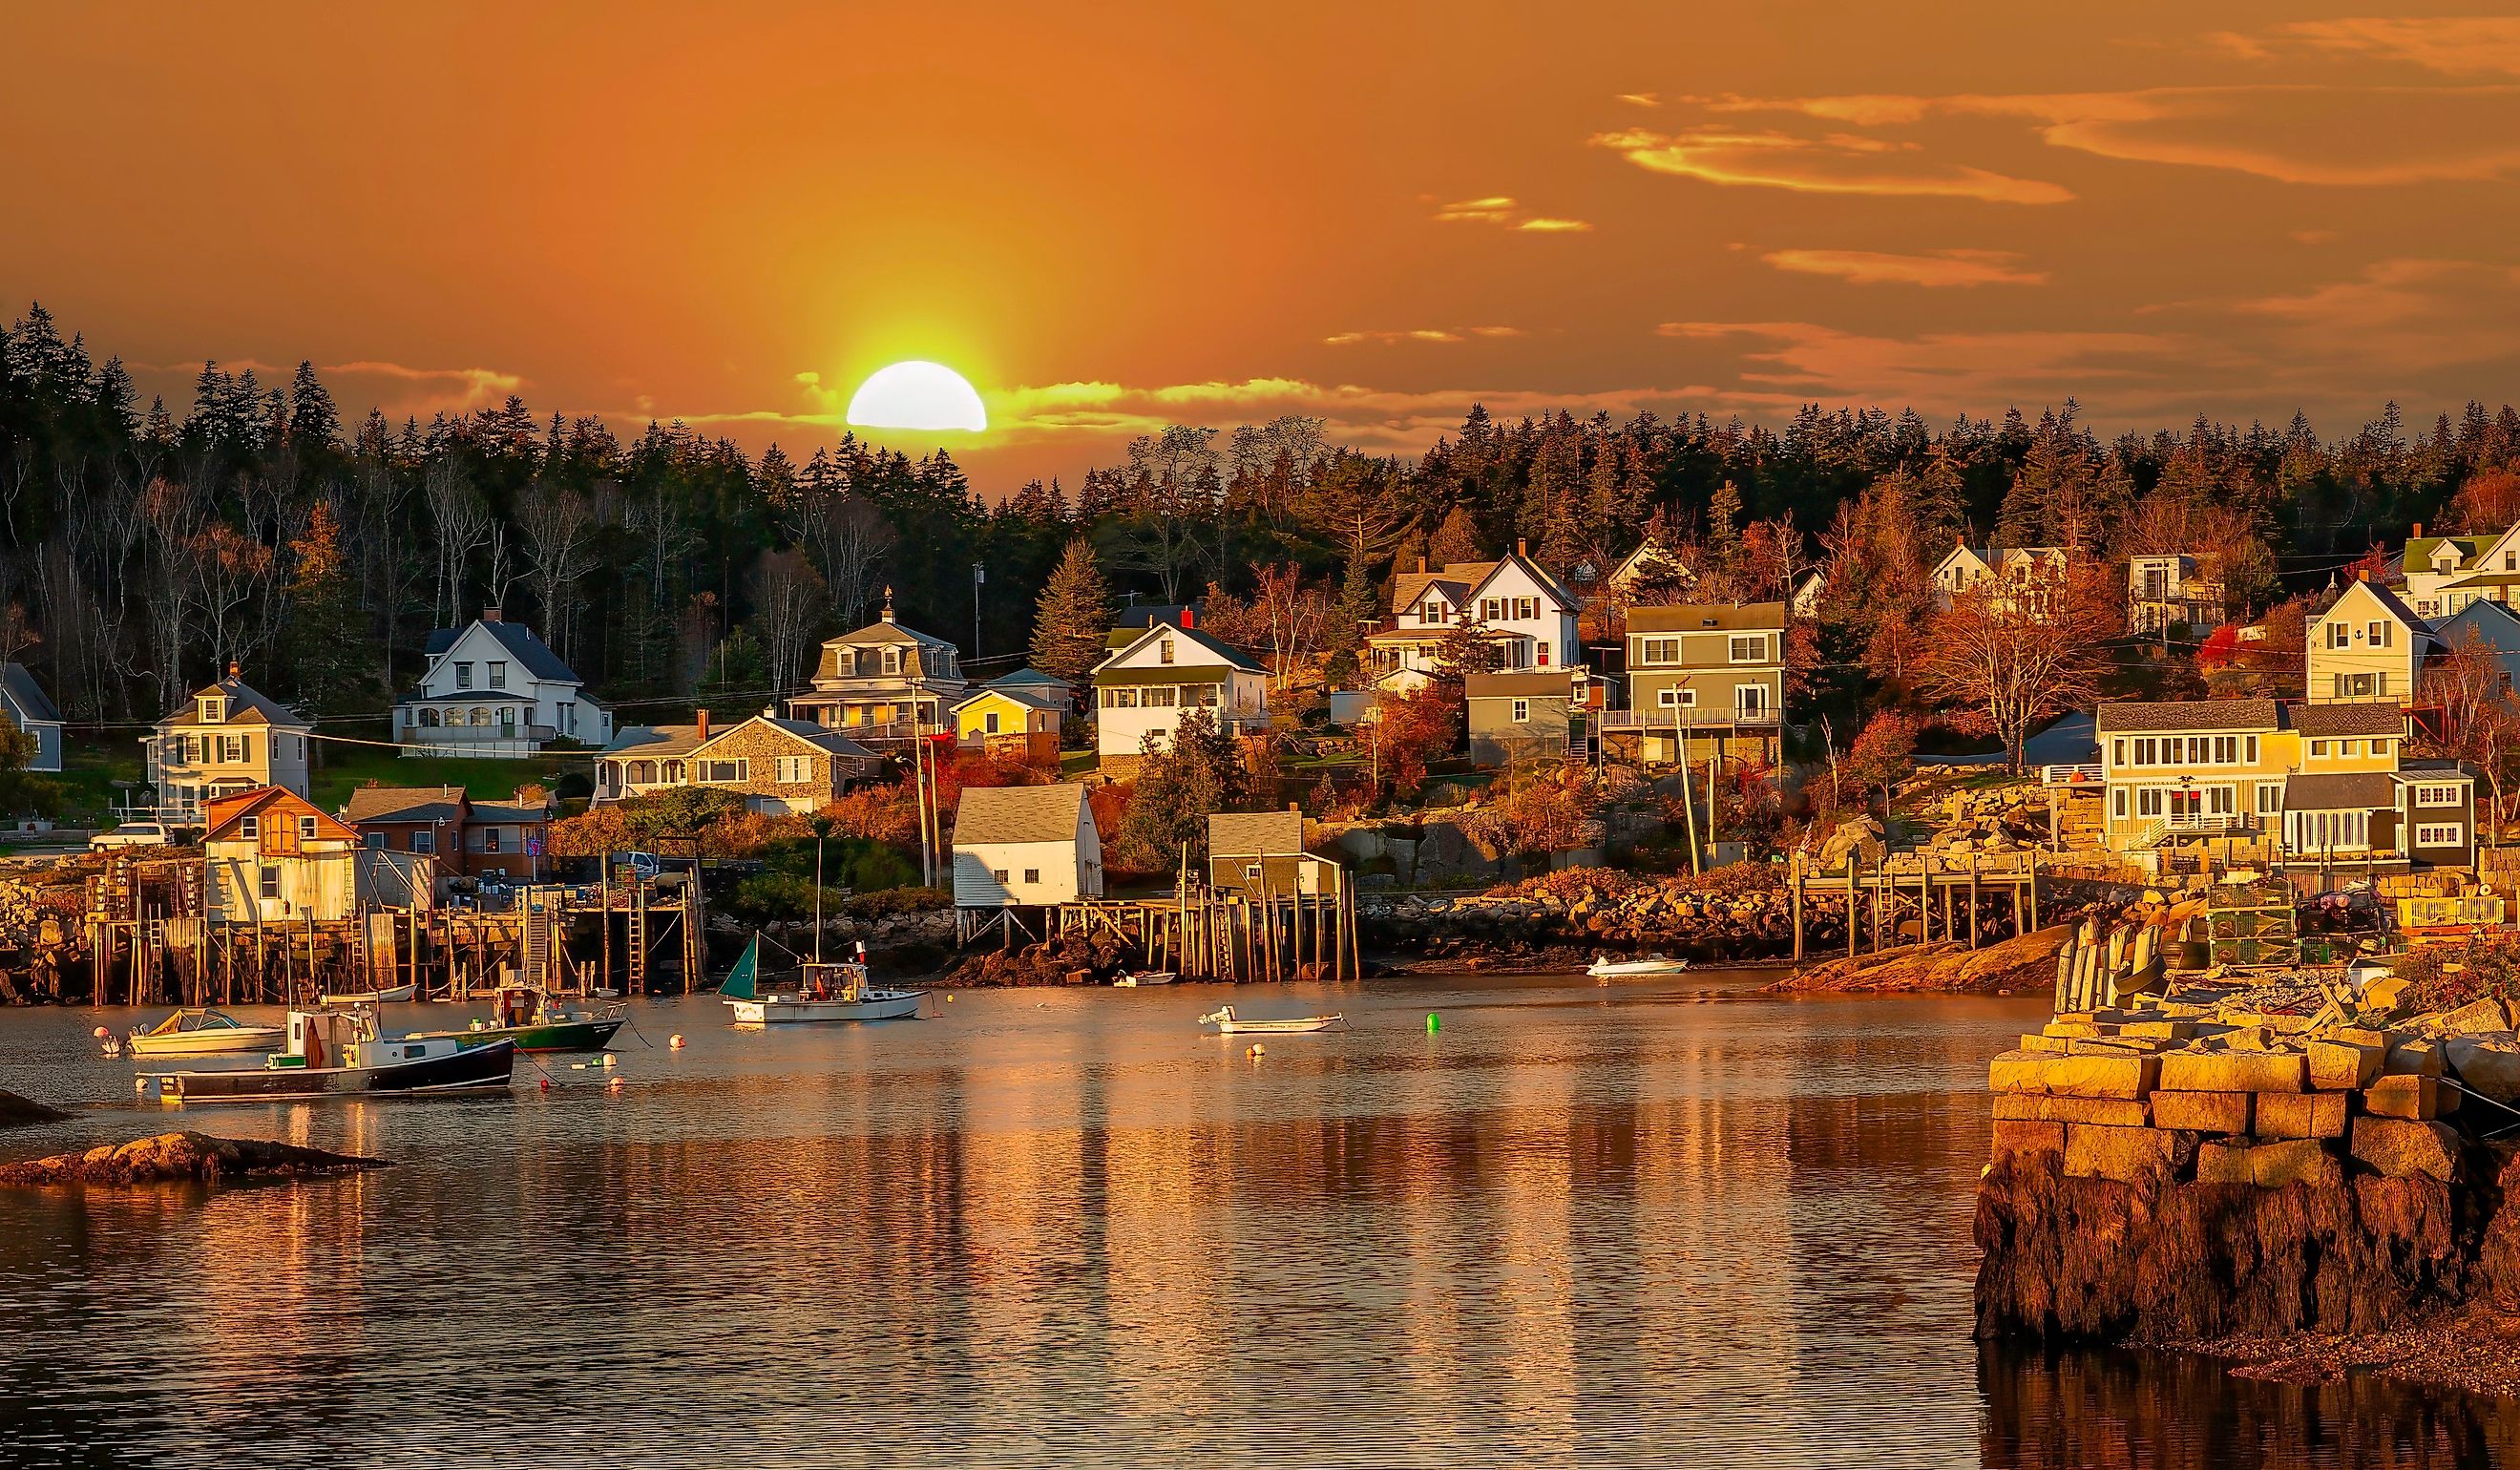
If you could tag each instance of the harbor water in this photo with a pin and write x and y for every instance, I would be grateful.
(1672, 1222)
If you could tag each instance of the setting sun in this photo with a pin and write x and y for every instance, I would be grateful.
(917, 395)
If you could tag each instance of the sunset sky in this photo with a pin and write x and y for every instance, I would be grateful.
(1115, 216)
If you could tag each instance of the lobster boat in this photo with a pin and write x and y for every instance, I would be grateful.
(338, 1054)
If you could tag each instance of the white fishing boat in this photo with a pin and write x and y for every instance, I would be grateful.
(824, 993)
(338, 1054)
(392, 995)
(1606, 968)
(1132, 979)
(1227, 1023)
(195, 1032)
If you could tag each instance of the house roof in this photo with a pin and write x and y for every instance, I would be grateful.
(655, 739)
(221, 813)
(1409, 589)
(1254, 834)
(886, 631)
(2348, 719)
(1546, 579)
(2342, 790)
(246, 706)
(1224, 655)
(405, 804)
(820, 738)
(518, 814)
(20, 690)
(1030, 696)
(2389, 605)
(1018, 813)
(1707, 617)
(529, 651)
(2120, 717)
(1553, 682)
(2419, 551)
(1029, 678)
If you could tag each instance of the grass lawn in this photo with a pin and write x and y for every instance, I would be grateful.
(343, 768)
(1075, 763)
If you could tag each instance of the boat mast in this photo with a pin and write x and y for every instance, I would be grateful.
(818, 895)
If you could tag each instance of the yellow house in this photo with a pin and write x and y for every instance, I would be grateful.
(1021, 722)
(2236, 766)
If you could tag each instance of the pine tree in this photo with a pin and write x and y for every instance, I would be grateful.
(1359, 606)
(1074, 616)
(331, 655)
(313, 420)
(1456, 540)
(1724, 521)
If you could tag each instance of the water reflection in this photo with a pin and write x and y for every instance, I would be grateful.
(1572, 1226)
(2109, 1407)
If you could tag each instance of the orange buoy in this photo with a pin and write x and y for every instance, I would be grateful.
(676, 1041)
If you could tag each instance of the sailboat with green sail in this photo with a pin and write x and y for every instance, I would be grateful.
(825, 992)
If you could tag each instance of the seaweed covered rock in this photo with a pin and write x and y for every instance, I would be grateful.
(19, 1112)
(184, 1157)
(2157, 1258)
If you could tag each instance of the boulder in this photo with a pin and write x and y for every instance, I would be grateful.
(2476, 1018)
(2221, 1161)
(2028, 1108)
(2023, 1136)
(2127, 1154)
(2413, 1058)
(2301, 1115)
(2234, 1071)
(2343, 1066)
(2402, 1148)
(2489, 1067)
(2297, 1161)
(2203, 1112)
(2410, 1097)
(2051, 1075)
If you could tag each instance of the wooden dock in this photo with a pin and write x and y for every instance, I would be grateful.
(1203, 933)
(1879, 896)
(143, 940)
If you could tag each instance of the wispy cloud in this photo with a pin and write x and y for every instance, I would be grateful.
(1941, 369)
(1933, 268)
(2294, 133)
(2450, 45)
(1442, 334)
(1838, 164)
(1640, 99)
(1503, 209)
(446, 389)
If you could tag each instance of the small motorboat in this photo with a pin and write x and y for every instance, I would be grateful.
(825, 993)
(197, 1032)
(1606, 968)
(392, 995)
(338, 1054)
(1227, 1023)
(1131, 979)
(529, 1017)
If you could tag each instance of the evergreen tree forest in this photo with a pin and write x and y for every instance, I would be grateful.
(144, 546)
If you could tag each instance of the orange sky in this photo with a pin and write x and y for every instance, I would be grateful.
(1114, 215)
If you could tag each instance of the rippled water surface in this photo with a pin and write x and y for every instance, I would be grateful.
(1677, 1222)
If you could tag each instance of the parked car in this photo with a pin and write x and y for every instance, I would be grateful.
(131, 835)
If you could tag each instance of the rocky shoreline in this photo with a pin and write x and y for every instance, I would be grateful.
(2298, 1179)
(183, 1158)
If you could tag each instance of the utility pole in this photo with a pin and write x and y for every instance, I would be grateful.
(979, 574)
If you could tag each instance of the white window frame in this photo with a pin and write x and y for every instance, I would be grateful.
(713, 772)
(464, 674)
(1756, 642)
(1523, 711)
(498, 673)
(306, 829)
(2438, 794)
(2441, 834)
(250, 827)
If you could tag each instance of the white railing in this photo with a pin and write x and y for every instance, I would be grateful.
(1692, 719)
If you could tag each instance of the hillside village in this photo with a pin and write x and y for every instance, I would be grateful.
(1446, 675)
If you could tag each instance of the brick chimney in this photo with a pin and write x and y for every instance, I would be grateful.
(1189, 618)
(1522, 546)
(705, 725)
(493, 615)
(1421, 566)
(2417, 534)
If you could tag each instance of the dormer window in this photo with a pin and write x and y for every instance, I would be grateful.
(214, 710)
(892, 661)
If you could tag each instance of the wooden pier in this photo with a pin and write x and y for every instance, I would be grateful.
(142, 939)
(1203, 933)
(1899, 887)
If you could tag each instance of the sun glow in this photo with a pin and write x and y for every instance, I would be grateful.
(918, 395)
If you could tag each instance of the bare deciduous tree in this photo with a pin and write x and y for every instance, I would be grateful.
(2023, 650)
(788, 599)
